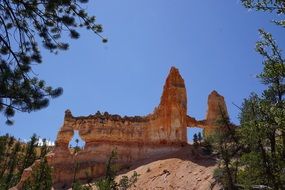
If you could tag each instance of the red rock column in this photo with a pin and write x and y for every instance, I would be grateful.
(217, 110)
(171, 112)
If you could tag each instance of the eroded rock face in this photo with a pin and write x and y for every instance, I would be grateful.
(171, 113)
(217, 111)
(216, 107)
(133, 138)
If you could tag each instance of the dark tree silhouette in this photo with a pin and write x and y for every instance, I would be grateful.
(200, 138)
(195, 140)
(23, 25)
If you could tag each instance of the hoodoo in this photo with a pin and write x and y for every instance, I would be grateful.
(133, 138)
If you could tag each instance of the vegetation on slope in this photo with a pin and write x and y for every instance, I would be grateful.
(15, 156)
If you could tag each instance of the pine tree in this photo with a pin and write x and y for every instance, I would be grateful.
(225, 142)
(11, 179)
(200, 138)
(6, 143)
(276, 6)
(41, 178)
(16, 155)
(263, 117)
(25, 24)
(30, 153)
(263, 121)
(76, 148)
(108, 181)
(195, 140)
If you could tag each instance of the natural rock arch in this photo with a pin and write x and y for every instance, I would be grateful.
(134, 138)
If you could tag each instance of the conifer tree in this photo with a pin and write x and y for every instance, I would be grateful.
(11, 177)
(108, 181)
(41, 178)
(271, 6)
(263, 121)
(200, 138)
(263, 116)
(195, 140)
(225, 142)
(18, 156)
(4, 150)
(30, 153)
(24, 25)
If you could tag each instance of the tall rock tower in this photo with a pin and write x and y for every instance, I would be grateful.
(172, 110)
(217, 110)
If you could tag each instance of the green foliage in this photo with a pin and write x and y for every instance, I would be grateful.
(76, 148)
(250, 173)
(207, 147)
(16, 156)
(41, 177)
(78, 186)
(9, 162)
(219, 175)
(6, 144)
(226, 146)
(105, 184)
(30, 153)
(195, 140)
(262, 132)
(200, 138)
(126, 182)
(253, 155)
(108, 181)
(262, 120)
(276, 6)
(23, 25)
(11, 178)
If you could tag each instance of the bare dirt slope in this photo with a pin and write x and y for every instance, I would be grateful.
(181, 170)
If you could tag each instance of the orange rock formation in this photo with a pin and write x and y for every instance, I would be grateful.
(134, 138)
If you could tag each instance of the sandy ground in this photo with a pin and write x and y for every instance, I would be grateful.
(180, 170)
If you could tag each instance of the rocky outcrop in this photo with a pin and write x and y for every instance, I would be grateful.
(216, 113)
(217, 108)
(27, 173)
(133, 138)
(171, 113)
(179, 170)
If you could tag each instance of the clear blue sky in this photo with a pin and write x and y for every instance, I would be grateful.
(211, 42)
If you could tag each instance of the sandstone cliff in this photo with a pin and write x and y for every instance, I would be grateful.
(134, 138)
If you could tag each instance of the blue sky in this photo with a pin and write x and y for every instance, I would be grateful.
(210, 42)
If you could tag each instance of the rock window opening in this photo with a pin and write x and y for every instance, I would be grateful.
(191, 133)
(76, 144)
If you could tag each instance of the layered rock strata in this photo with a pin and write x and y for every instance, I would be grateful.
(133, 138)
